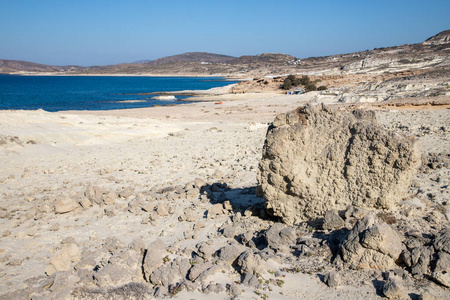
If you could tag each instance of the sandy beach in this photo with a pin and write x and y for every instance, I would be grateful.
(141, 164)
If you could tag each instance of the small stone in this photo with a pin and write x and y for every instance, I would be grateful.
(248, 213)
(63, 260)
(54, 227)
(199, 225)
(230, 253)
(393, 289)
(234, 290)
(149, 207)
(332, 220)
(65, 205)
(198, 269)
(32, 232)
(332, 279)
(205, 250)
(85, 202)
(427, 297)
(110, 211)
(250, 280)
(93, 193)
(128, 192)
(199, 183)
(161, 210)
(229, 232)
(216, 209)
(216, 288)
(109, 198)
(227, 205)
(251, 263)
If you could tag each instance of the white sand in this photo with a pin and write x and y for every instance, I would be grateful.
(61, 153)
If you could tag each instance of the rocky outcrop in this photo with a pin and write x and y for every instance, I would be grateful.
(371, 244)
(431, 258)
(316, 159)
(438, 39)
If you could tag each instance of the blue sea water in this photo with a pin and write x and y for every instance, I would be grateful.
(57, 93)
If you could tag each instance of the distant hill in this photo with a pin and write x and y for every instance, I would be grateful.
(432, 53)
(19, 65)
(192, 57)
(8, 66)
(264, 58)
(143, 61)
(440, 38)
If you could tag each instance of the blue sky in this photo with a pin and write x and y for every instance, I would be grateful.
(101, 32)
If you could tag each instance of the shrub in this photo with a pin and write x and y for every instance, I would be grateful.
(310, 87)
(292, 81)
(305, 80)
(291, 77)
(287, 84)
(322, 88)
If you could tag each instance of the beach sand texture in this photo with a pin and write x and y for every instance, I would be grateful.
(140, 163)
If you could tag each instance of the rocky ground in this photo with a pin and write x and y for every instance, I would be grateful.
(162, 202)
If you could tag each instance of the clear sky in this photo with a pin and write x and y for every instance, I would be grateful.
(98, 32)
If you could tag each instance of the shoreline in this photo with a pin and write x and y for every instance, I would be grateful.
(226, 77)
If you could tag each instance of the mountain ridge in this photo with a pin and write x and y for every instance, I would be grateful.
(432, 52)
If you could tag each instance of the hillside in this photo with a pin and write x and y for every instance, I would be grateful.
(8, 66)
(432, 53)
(192, 57)
(440, 38)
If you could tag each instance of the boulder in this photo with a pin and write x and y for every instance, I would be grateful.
(166, 274)
(250, 280)
(154, 257)
(279, 237)
(251, 263)
(393, 289)
(205, 250)
(93, 193)
(216, 209)
(230, 253)
(316, 159)
(332, 220)
(332, 279)
(198, 269)
(371, 244)
(216, 288)
(441, 272)
(418, 259)
(63, 260)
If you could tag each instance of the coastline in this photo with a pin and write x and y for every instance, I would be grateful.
(227, 77)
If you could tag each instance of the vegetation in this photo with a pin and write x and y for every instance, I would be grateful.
(292, 81)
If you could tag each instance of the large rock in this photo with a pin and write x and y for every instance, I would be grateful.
(316, 159)
(154, 257)
(441, 272)
(123, 267)
(371, 244)
(431, 260)
(63, 260)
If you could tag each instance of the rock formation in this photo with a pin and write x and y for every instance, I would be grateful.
(371, 245)
(316, 159)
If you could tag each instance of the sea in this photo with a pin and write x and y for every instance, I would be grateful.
(59, 93)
